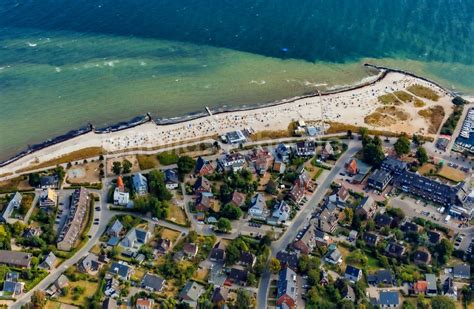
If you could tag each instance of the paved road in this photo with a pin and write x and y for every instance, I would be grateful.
(302, 218)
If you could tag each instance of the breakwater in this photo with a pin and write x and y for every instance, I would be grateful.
(139, 120)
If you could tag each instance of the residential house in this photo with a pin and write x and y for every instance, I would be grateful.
(140, 184)
(235, 137)
(115, 229)
(305, 148)
(394, 166)
(366, 207)
(111, 286)
(219, 296)
(327, 221)
(261, 158)
(171, 179)
(462, 271)
(204, 202)
(353, 274)
(297, 191)
(238, 276)
(135, 238)
(422, 257)
(395, 250)
(11, 285)
(90, 264)
(238, 199)
(217, 253)
(287, 288)
(379, 179)
(14, 203)
(71, 230)
(450, 289)
(420, 287)
(337, 199)
(288, 259)
(279, 167)
(333, 256)
(409, 227)
(283, 153)
(190, 249)
(163, 245)
(327, 151)
(203, 167)
(352, 168)
(153, 282)
(231, 162)
(15, 258)
(352, 236)
(121, 196)
(383, 220)
(202, 185)
(48, 199)
(433, 237)
(281, 213)
(311, 238)
(49, 262)
(247, 259)
(49, 182)
(428, 188)
(324, 281)
(389, 299)
(370, 239)
(191, 293)
(144, 303)
(121, 269)
(381, 277)
(348, 293)
(57, 286)
(257, 208)
(432, 288)
(31, 232)
(358, 169)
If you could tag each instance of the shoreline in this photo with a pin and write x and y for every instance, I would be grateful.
(170, 121)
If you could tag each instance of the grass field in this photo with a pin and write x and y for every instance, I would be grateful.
(452, 174)
(423, 92)
(90, 288)
(404, 96)
(388, 99)
(434, 115)
(427, 168)
(201, 274)
(170, 234)
(177, 214)
(146, 162)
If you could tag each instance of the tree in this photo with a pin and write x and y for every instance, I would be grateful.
(402, 145)
(363, 132)
(442, 302)
(34, 179)
(271, 187)
(156, 181)
(243, 300)
(444, 250)
(231, 212)
(274, 265)
(372, 151)
(224, 225)
(38, 299)
(417, 140)
(117, 168)
(349, 215)
(349, 134)
(421, 155)
(185, 165)
(126, 166)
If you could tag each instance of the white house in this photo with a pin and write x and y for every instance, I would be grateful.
(257, 209)
(14, 203)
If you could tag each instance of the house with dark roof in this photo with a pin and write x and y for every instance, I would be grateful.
(121, 269)
(90, 264)
(238, 276)
(109, 303)
(422, 257)
(353, 274)
(450, 289)
(203, 167)
(383, 220)
(395, 250)
(305, 148)
(370, 239)
(283, 152)
(288, 259)
(202, 185)
(171, 179)
(190, 249)
(379, 179)
(140, 184)
(11, 286)
(286, 288)
(410, 227)
(15, 258)
(462, 271)
(219, 296)
(366, 207)
(204, 202)
(50, 182)
(247, 259)
(389, 299)
(49, 262)
(153, 282)
(433, 237)
(381, 277)
(217, 254)
(394, 166)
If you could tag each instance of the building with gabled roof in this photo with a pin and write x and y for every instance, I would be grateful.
(140, 184)
(14, 203)
(203, 167)
(190, 293)
(135, 238)
(286, 288)
(72, 228)
(115, 229)
(202, 185)
(48, 198)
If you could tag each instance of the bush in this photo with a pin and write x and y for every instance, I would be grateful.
(167, 158)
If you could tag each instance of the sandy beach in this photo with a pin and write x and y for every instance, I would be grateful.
(350, 107)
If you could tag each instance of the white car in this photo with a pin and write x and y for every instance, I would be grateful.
(154, 219)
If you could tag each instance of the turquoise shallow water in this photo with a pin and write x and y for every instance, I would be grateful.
(66, 63)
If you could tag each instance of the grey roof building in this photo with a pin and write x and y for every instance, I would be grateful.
(153, 282)
(462, 271)
(379, 179)
(389, 299)
(14, 203)
(140, 184)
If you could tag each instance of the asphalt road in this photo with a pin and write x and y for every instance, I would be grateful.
(302, 218)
